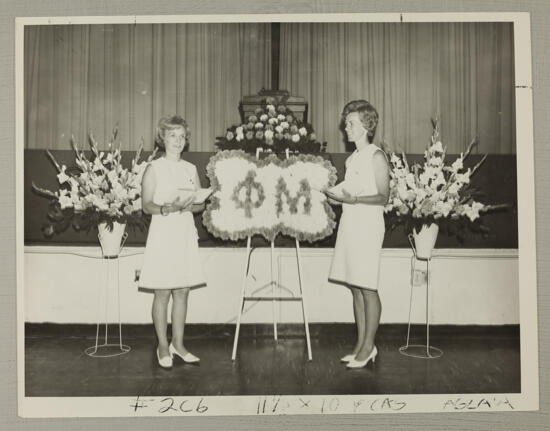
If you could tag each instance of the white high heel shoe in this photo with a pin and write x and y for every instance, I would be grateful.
(347, 358)
(360, 364)
(188, 358)
(166, 361)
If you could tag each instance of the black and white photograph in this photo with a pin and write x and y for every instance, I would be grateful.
(275, 214)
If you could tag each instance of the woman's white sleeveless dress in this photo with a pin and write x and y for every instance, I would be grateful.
(356, 259)
(171, 259)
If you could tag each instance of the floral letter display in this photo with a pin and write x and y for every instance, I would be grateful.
(269, 196)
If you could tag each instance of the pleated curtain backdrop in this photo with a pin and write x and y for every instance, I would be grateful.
(91, 77)
(463, 72)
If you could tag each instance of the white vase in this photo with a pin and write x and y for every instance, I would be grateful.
(111, 241)
(424, 241)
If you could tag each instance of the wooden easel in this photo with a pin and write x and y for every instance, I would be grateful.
(274, 298)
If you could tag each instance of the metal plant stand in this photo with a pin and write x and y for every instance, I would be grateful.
(423, 351)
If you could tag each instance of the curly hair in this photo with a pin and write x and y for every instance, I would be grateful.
(170, 123)
(367, 114)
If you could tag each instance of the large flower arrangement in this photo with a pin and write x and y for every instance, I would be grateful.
(273, 127)
(269, 196)
(434, 192)
(97, 190)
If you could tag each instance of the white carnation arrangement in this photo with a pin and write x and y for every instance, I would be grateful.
(269, 196)
(97, 190)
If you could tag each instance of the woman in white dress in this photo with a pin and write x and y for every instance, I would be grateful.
(171, 263)
(363, 195)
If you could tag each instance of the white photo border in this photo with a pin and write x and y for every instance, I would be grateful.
(526, 400)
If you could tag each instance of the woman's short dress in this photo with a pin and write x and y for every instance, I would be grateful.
(171, 259)
(356, 259)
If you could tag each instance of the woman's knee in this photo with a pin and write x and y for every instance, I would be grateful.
(370, 295)
(162, 295)
(356, 292)
(180, 294)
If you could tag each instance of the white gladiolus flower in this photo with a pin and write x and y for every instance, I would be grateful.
(263, 117)
(402, 192)
(453, 189)
(62, 177)
(65, 201)
(457, 164)
(403, 209)
(411, 182)
(97, 202)
(444, 208)
(295, 138)
(472, 212)
(424, 178)
(113, 177)
(269, 134)
(279, 129)
(78, 206)
(281, 117)
(120, 193)
(439, 180)
(98, 166)
(463, 178)
(420, 196)
(136, 205)
(302, 131)
(74, 183)
(436, 161)
(438, 146)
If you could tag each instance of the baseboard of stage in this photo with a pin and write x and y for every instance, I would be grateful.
(283, 329)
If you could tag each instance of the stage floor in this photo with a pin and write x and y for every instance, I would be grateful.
(482, 359)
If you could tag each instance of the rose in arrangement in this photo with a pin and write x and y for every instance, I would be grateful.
(434, 192)
(274, 128)
(97, 190)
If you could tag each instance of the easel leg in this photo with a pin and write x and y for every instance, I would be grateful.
(274, 302)
(303, 301)
(241, 300)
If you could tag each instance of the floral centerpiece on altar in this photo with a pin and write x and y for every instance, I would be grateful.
(434, 194)
(274, 128)
(97, 192)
